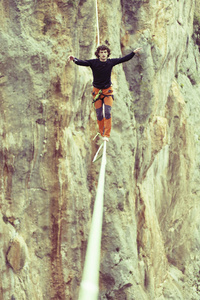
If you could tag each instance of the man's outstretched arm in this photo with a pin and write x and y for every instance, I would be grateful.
(79, 62)
(120, 60)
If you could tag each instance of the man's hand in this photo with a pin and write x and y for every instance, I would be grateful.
(71, 57)
(137, 50)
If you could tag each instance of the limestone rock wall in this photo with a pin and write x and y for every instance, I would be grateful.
(150, 242)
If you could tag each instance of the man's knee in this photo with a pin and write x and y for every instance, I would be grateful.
(99, 113)
(108, 111)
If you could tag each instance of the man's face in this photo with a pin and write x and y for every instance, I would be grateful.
(103, 55)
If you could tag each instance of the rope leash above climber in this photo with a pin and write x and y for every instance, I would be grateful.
(97, 18)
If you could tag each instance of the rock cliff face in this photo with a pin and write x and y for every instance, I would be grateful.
(151, 242)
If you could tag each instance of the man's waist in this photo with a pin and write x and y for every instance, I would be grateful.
(104, 87)
(102, 93)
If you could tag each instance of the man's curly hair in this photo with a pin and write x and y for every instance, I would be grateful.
(102, 47)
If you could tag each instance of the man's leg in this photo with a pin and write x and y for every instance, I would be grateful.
(108, 101)
(99, 111)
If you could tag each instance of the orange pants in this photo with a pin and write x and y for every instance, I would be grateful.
(106, 98)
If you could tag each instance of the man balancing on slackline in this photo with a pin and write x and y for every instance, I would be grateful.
(102, 86)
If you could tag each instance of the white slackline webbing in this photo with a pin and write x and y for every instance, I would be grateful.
(90, 281)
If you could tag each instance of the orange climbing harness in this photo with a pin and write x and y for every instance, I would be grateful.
(103, 101)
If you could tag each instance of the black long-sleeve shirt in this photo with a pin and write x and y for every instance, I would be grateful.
(102, 70)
